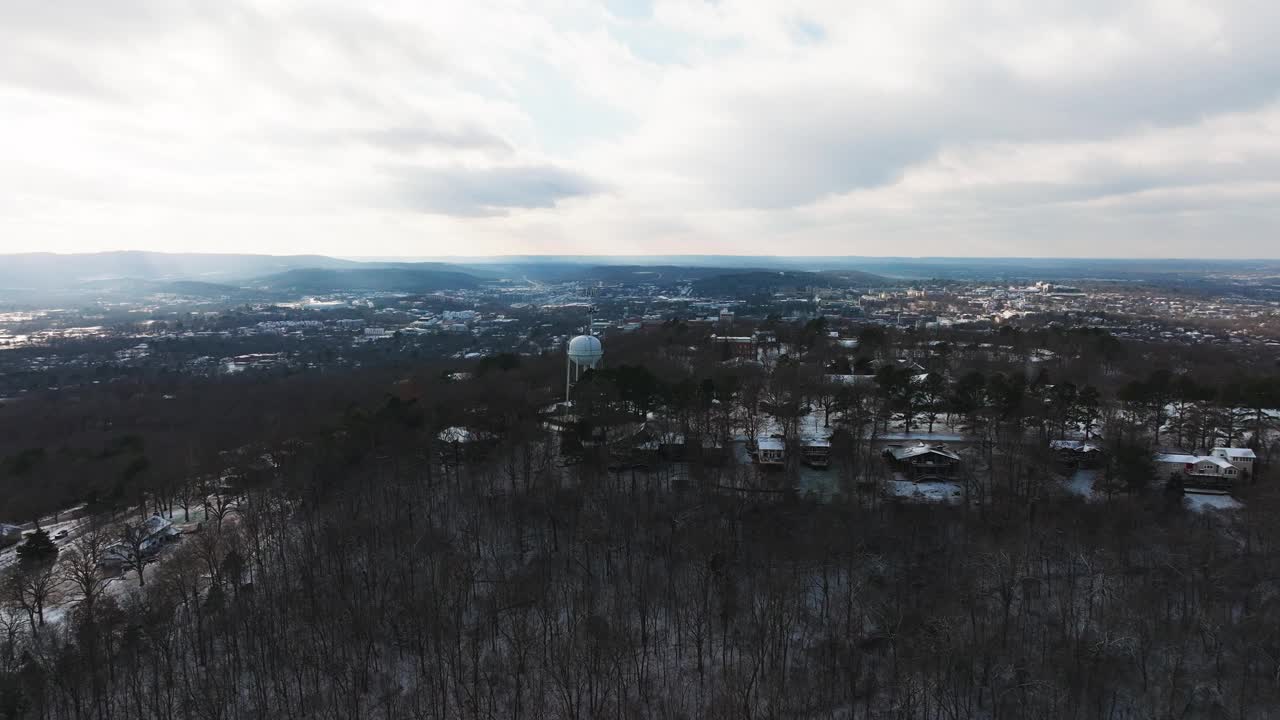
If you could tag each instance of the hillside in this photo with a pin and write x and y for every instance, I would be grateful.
(762, 281)
(319, 280)
(52, 271)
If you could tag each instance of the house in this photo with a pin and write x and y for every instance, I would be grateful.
(457, 435)
(816, 452)
(458, 442)
(1212, 465)
(152, 534)
(1210, 473)
(923, 462)
(732, 348)
(635, 450)
(1241, 458)
(156, 530)
(1200, 472)
(1172, 466)
(1074, 453)
(866, 380)
(911, 366)
(771, 451)
(655, 441)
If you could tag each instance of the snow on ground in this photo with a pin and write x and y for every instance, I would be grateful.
(812, 426)
(923, 491)
(922, 435)
(819, 481)
(1081, 483)
(122, 585)
(68, 520)
(1199, 502)
(56, 612)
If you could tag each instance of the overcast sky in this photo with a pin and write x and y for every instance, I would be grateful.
(470, 127)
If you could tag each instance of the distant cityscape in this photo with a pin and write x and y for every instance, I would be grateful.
(201, 332)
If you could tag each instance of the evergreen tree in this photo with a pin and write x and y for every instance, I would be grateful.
(38, 549)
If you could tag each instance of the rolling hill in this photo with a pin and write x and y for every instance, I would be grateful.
(765, 281)
(408, 280)
(48, 271)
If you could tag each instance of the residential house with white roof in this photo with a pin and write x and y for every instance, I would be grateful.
(1242, 458)
(1201, 472)
(923, 462)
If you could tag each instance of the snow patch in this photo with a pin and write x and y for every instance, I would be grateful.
(925, 491)
(1081, 483)
(922, 435)
(1199, 502)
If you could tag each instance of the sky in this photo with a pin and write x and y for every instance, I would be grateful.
(1061, 128)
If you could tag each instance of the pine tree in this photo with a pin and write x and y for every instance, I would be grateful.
(38, 549)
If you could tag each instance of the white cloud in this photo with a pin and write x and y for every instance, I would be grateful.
(407, 128)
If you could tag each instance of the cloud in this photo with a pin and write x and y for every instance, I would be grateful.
(467, 192)
(818, 126)
(414, 137)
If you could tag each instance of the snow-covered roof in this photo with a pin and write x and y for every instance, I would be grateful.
(1220, 462)
(901, 452)
(1076, 445)
(850, 379)
(154, 524)
(1176, 458)
(1234, 452)
(457, 434)
(770, 444)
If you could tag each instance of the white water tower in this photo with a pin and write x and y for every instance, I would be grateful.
(585, 352)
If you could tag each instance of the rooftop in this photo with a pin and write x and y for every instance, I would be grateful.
(1234, 452)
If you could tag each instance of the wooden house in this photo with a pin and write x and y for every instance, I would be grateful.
(921, 462)
(1076, 453)
(771, 451)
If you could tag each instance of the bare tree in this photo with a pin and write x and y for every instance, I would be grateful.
(32, 586)
(218, 503)
(133, 548)
(11, 622)
(82, 566)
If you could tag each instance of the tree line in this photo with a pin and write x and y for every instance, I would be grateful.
(366, 569)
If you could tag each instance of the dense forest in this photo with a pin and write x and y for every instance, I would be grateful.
(354, 560)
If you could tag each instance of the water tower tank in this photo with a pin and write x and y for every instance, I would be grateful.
(586, 351)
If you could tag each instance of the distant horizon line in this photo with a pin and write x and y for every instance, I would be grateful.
(487, 258)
